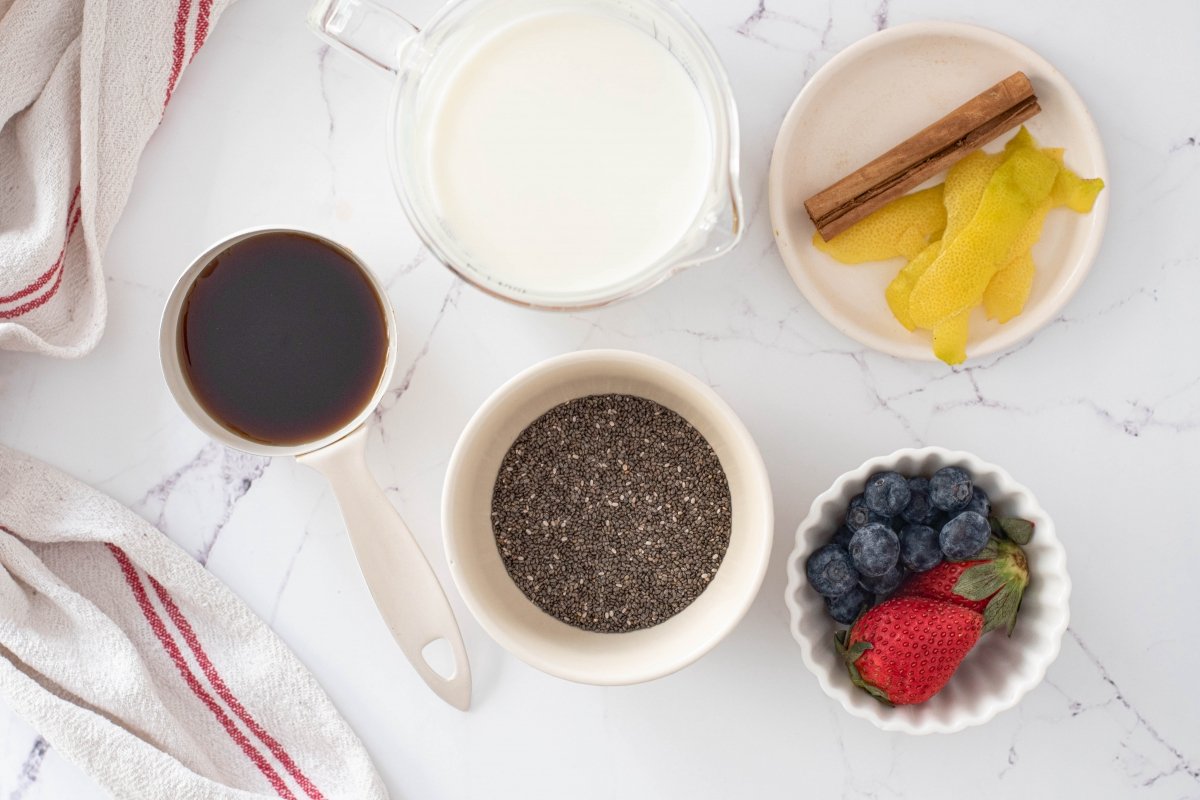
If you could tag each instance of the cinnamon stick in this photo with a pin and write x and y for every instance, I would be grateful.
(968, 127)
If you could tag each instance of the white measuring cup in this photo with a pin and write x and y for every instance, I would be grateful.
(422, 61)
(402, 583)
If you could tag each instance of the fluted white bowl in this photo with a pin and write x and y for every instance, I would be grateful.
(1000, 670)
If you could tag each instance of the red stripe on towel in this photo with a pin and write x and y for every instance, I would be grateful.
(164, 637)
(210, 671)
(181, 21)
(37, 302)
(43, 279)
(201, 26)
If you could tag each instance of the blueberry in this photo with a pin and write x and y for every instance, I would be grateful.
(950, 489)
(830, 570)
(887, 493)
(885, 583)
(858, 515)
(964, 536)
(842, 536)
(845, 608)
(980, 503)
(920, 549)
(875, 549)
(919, 510)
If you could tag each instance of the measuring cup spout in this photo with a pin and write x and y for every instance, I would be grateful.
(723, 224)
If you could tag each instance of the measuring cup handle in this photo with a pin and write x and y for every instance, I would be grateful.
(362, 28)
(402, 583)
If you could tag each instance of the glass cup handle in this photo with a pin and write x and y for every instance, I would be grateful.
(363, 28)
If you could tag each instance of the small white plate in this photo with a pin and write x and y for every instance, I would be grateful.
(878, 92)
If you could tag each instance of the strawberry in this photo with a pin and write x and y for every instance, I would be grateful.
(992, 583)
(905, 649)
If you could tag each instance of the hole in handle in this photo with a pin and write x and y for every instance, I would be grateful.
(440, 657)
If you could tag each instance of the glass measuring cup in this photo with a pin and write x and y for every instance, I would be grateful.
(423, 62)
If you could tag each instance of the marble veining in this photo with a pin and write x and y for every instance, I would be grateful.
(1099, 414)
(30, 768)
(228, 473)
(1182, 763)
(395, 393)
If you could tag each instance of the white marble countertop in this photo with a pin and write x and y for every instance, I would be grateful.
(1099, 414)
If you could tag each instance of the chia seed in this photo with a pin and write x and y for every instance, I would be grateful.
(611, 513)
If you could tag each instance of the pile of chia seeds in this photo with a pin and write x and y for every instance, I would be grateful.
(611, 513)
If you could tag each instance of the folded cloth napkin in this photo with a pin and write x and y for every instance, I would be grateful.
(83, 84)
(142, 668)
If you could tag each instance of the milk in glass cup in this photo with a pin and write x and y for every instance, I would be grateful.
(560, 154)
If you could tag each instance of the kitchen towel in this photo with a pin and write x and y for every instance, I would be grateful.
(142, 668)
(83, 84)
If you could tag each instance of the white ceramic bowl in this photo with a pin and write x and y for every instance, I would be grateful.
(998, 672)
(878, 92)
(512, 619)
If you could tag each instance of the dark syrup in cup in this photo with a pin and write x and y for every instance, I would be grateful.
(283, 338)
